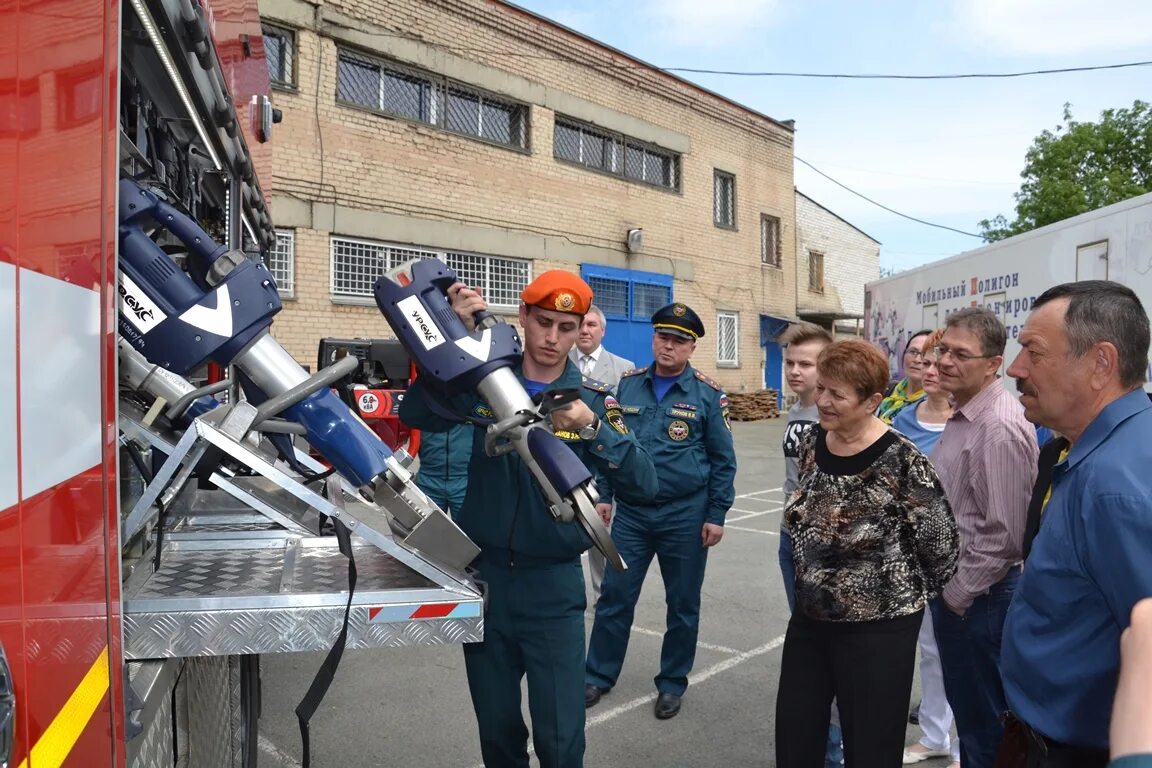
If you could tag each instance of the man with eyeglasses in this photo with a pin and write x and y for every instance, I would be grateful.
(986, 460)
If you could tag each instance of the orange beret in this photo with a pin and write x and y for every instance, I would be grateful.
(558, 290)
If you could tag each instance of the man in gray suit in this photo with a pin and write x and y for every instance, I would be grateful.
(597, 363)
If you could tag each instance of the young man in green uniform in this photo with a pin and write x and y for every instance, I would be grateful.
(680, 416)
(534, 624)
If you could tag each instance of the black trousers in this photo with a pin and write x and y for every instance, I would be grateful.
(1046, 753)
(867, 667)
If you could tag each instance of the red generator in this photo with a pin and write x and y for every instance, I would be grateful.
(376, 388)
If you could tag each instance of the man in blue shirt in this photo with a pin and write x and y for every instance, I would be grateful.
(680, 416)
(1083, 360)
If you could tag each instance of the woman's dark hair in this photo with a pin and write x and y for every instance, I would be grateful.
(914, 336)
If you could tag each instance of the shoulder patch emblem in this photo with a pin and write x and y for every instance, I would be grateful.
(482, 411)
(614, 415)
(709, 381)
(678, 430)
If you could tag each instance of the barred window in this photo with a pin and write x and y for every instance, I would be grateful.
(770, 241)
(611, 296)
(815, 272)
(281, 262)
(724, 199)
(620, 155)
(280, 51)
(430, 99)
(356, 264)
(727, 339)
(647, 298)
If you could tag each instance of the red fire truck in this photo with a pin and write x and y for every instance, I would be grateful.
(147, 558)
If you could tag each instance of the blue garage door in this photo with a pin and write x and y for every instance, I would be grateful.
(628, 298)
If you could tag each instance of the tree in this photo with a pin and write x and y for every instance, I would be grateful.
(1080, 167)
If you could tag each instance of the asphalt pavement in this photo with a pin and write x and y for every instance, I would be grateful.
(410, 706)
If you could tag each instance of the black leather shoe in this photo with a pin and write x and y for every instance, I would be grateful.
(592, 694)
(667, 705)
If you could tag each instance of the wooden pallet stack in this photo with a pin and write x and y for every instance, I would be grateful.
(753, 406)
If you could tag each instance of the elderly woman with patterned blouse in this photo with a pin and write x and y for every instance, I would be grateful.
(874, 538)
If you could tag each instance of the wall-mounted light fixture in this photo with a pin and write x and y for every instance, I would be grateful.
(635, 240)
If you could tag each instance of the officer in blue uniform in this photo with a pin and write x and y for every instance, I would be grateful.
(680, 416)
(534, 623)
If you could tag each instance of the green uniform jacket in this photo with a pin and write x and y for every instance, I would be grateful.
(689, 438)
(505, 512)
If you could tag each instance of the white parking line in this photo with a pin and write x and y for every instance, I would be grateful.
(758, 493)
(705, 646)
(695, 679)
(749, 515)
(268, 748)
(750, 530)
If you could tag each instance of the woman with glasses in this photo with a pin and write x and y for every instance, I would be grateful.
(910, 389)
(923, 423)
(873, 539)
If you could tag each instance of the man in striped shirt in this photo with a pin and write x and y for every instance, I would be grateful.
(986, 460)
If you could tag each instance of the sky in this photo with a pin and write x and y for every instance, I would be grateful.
(949, 152)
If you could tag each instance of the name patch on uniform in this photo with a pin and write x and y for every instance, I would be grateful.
(678, 430)
(630, 409)
(681, 413)
(566, 435)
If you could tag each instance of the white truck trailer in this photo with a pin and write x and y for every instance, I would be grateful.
(1112, 243)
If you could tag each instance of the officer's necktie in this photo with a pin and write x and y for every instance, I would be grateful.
(586, 366)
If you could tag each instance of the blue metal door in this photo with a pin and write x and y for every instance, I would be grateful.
(770, 330)
(628, 298)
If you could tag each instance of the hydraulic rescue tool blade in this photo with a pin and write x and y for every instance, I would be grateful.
(590, 521)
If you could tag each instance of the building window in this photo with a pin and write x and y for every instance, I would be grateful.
(430, 99)
(770, 241)
(356, 264)
(79, 94)
(281, 262)
(19, 107)
(724, 200)
(727, 339)
(280, 51)
(615, 153)
(815, 272)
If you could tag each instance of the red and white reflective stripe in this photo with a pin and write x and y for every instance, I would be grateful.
(391, 613)
(59, 381)
(9, 491)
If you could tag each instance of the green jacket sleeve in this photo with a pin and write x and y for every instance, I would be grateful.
(721, 459)
(622, 468)
(415, 412)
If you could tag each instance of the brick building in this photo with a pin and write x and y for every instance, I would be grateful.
(836, 260)
(506, 144)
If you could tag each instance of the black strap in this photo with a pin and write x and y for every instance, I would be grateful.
(1046, 464)
(327, 672)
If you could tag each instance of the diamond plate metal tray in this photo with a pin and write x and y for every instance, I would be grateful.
(252, 592)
